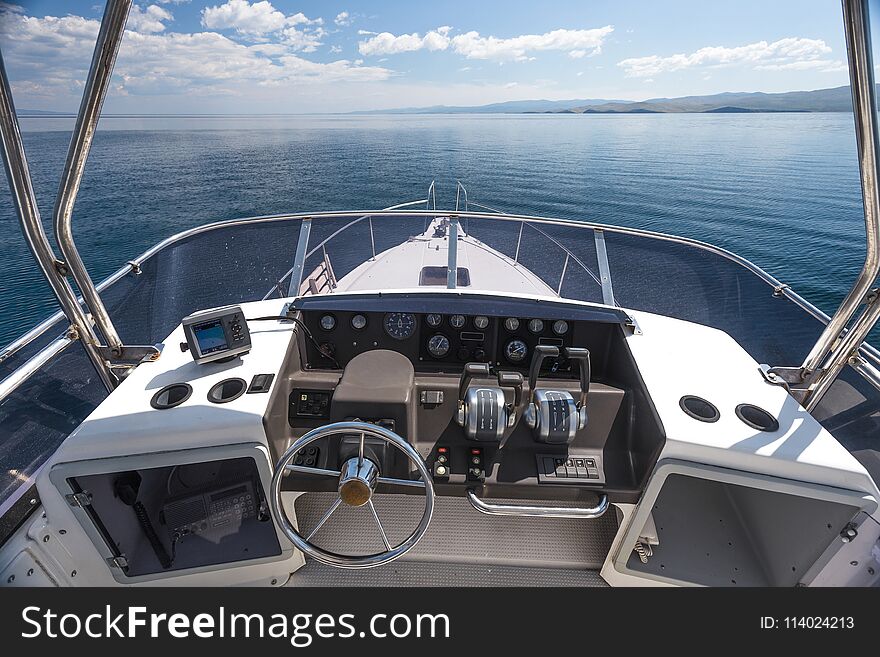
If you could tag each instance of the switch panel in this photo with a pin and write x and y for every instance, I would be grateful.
(314, 404)
(475, 467)
(442, 464)
(570, 469)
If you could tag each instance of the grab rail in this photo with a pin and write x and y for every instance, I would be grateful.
(560, 245)
(495, 509)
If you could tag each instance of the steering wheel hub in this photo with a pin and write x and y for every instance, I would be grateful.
(357, 481)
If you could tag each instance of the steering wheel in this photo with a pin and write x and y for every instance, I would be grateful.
(357, 482)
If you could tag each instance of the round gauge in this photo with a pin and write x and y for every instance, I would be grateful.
(358, 322)
(438, 346)
(434, 319)
(457, 321)
(481, 322)
(328, 322)
(536, 325)
(560, 327)
(516, 351)
(400, 326)
(511, 324)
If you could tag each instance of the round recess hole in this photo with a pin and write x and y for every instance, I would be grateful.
(171, 396)
(699, 409)
(227, 390)
(756, 417)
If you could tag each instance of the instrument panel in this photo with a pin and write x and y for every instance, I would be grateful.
(433, 341)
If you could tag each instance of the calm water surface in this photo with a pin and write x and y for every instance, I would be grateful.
(779, 189)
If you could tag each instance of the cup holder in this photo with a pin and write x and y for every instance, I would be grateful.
(171, 396)
(227, 390)
(756, 417)
(699, 409)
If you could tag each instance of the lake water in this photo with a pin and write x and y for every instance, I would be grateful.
(779, 189)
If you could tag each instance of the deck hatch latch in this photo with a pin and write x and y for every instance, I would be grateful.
(118, 562)
(81, 500)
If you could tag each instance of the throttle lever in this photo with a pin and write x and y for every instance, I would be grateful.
(582, 356)
(512, 380)
(542, 352)
(471, 370)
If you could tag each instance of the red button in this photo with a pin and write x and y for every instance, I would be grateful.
(442, 450)
(476, 451)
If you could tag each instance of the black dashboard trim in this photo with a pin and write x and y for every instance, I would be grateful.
(459, 303)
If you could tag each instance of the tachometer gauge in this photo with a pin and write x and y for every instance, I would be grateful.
(511, 324)
(358, 322)
(560, 327)
(457, 321)
(516, 351)
(400, 326)
(328, 322)
(438, 346)
(434, 319)
(536, 325)
(481, 322)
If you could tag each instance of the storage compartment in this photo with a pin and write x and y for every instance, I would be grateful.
(735, 533)
(152, 520)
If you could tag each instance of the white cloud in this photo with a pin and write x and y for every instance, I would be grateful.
(389, 44)
(254, 19)
(49, 57)
(335, 49)
(789, 53)
(342, 19)
(472, 45)
(149, 20)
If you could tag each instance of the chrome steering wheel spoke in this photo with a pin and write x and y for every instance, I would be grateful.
(358, 480)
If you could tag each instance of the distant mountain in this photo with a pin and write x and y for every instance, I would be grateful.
(509, 107)
(837, 99)
(36, 112)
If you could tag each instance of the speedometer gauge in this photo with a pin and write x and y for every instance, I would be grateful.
(400, 326)
(438, 346)
(516, 351)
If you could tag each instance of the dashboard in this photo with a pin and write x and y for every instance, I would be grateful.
(435, 341)
(425, 364)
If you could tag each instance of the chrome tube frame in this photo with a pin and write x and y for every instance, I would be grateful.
(22, 190)
(529, 511)
(831, 352)
(100, 72)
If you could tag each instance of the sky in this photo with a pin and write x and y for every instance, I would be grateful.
(296, 56)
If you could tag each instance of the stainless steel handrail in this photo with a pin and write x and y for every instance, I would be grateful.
(530, 511)
(459, 188)
(779, 289)
(21, 186)
(568, 253)
(21, 374)
(868, 371)
(861, 71)
(103, 59)
(839, 350)
(322, 244)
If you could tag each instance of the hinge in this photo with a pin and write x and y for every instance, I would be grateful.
(633, 325)
(644, 550)
(82, 500)
(118, 562)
